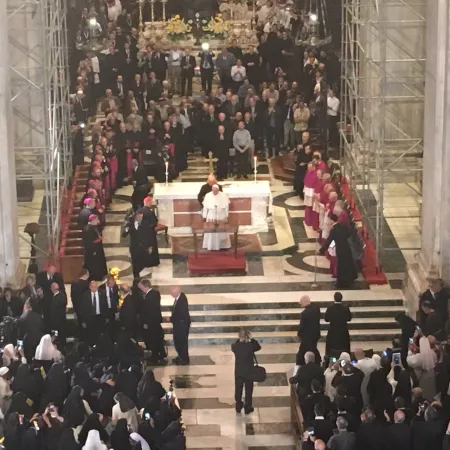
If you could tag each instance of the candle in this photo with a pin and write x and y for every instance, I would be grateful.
(167, 166)
(255, 159)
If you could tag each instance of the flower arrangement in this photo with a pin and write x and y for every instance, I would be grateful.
(218, 27)
(177, 28)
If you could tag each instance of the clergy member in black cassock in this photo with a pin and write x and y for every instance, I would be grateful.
(338, 337)
(303, 156)
(346, 271)
(94, 254)
(143, 244)
(207, 188)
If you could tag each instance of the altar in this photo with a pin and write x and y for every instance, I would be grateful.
(178, 207)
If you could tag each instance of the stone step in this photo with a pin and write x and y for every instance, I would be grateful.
(270, 326)
(278, 337)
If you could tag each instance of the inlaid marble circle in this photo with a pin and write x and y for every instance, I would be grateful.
(322, 261)
(294, 201)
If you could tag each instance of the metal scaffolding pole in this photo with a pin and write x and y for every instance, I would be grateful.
(382, 105)
(40, 83)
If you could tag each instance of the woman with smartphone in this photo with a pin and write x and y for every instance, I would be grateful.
(244, 352)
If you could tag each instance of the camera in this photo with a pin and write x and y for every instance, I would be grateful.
(147, 416)
(19, 343)
(396, 359)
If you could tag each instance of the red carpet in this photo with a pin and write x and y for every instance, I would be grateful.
(372, 274)
(216, 263)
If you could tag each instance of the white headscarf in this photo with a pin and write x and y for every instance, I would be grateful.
(345, 357)
(93, 441)
(10, 350)
(428, 357)
(138, 438)
(45, 351)
(377, 359)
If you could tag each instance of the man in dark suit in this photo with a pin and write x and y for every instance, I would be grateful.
(128, 64)
(128, 312)
(206, 69)
(187, 72)
(439, 296)
(323, 427)
(137, 86)
(317, 396)
(31, 329)
(141, 185)
(400, 432)
(77, 290)
(111, 295)
(47, 277)
(154, 88)
(306, 374)
(44, 279)
(57, 313)
(151, 319)
(159, 64)
(93, 312)
(308, 330)
(111, 66)
(181, 321)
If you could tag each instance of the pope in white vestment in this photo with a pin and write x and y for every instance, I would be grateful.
(215, 209)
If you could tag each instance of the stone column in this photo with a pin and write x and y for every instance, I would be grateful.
(433, 260)
(9, 234)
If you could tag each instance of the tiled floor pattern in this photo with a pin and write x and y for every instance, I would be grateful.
(266, 301)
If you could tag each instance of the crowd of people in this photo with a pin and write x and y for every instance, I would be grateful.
(97, 391)
(362, 400)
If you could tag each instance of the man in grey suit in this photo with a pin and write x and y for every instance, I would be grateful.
(224, 62)
(343, 440)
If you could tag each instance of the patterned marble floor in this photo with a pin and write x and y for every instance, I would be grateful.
(266, 301)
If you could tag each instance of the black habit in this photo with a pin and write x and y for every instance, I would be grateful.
(346, 271)
(94, 254)
(142, 238)
(309, 333)
(338, 337)
(301, 165)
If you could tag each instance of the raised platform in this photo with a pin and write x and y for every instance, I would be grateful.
(217, 263)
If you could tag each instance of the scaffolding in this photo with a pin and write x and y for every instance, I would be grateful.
(40, 83)
(382, 104)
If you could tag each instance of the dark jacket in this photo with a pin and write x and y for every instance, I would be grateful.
(77, 289)
(309, 328)
(305, 375)
(400, 436)
(150, 313)
(180, 311)
(244, 354)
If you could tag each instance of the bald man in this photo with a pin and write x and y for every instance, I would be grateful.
(207, 188)
(181, 322)
(308, 330)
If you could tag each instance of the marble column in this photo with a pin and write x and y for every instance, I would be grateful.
(433, 260)
(9, 234)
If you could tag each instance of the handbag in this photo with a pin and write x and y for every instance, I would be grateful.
(258, 373)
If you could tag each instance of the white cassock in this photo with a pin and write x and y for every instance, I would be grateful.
(215, 209)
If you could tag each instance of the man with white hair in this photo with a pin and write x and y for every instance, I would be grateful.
(308, 329)
(306, 374)
(344, 439)
(215, 213)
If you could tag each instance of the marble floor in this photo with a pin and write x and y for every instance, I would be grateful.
(264, 300)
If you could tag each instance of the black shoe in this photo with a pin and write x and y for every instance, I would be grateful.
(246, 177)
(239, 407)
(176, 360)
(182, 362)
(162, 362)
(249, 410)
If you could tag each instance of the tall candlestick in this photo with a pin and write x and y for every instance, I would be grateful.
(167, 172)
(255, 159)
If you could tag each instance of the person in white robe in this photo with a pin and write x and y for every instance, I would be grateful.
(215, 209)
